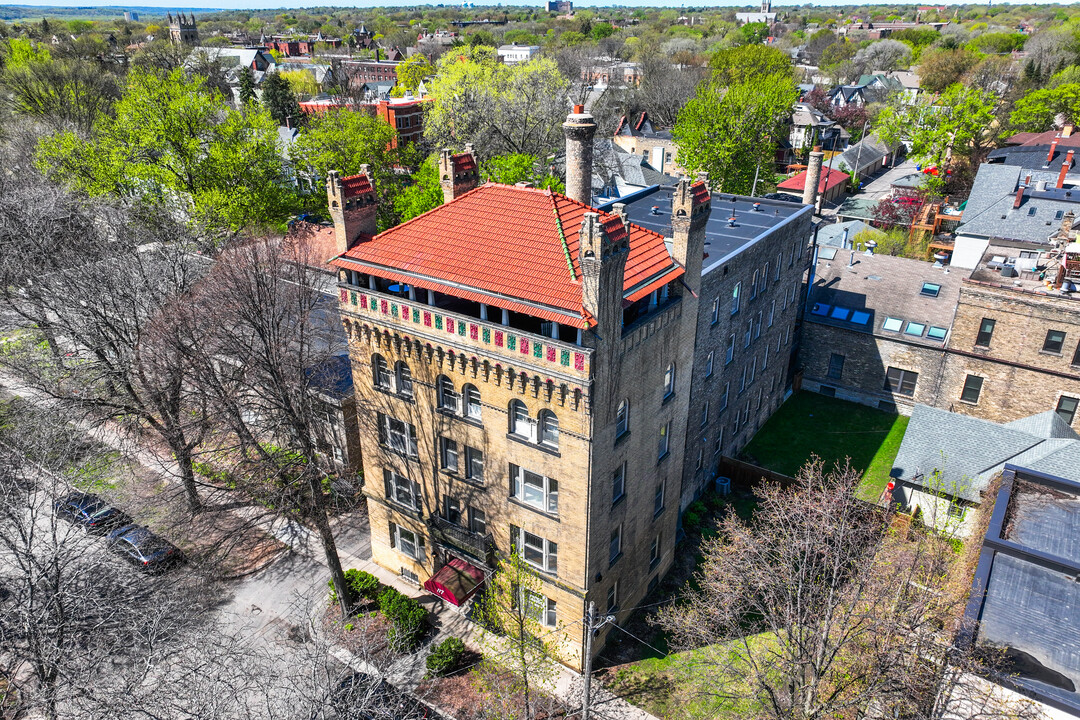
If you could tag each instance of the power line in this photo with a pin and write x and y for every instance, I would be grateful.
(620, 627)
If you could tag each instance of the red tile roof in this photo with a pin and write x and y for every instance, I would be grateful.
(465, 162)
(355, 185)
(829, 179)
(511, 247)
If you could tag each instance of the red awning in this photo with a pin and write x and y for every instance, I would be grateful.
(456, 582)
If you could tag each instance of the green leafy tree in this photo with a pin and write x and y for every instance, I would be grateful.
(411, 72)
(518, 167)
(601, 30)
(744, 63)
(280, 100)
(499, 108)
(23, 51)
(247, 86)
(957, 123)
(938, 69)
(754, 33)
(730, 133)
(170, 139)
(1038, 110)
(520, 661)
(423, 192)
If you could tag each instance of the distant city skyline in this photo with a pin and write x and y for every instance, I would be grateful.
(210, 5)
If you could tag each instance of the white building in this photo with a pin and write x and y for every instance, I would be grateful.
(514, 54)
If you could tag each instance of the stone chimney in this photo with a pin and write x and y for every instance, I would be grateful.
(813, 176)
(458, 174)
(1066, 165)
(1067, 224)
(690, 208)
(602, 250)
(353, 207)
(579, 129)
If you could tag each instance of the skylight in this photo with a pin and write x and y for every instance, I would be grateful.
(839, 313)
(914, 328)
(860, 318)
(936, 333)
(930, 289)
(820, 309)
(893, 324)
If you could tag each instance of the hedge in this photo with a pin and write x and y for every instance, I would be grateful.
(445, 657)
(408, 616)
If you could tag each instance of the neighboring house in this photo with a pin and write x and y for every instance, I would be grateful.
(258, 59)
(320, 73)
(1025, 601)
(549, 409)
(910, 82)
(876, 328)
(611, 71)
(946, 461)
(405, 115)
(371, 71)
(640, 137)
(810, 127)
(841, 235)
(514, 54)
(862, 159)
(832, 184)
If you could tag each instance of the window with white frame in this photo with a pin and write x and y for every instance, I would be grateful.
(407, 542)
(716, 310)
(534, 489)
(615, 544)
(613, 597)
(757, 328)
(749, 333)
(622, 419)
(474, 464)
(700, 458)
(654, 551)
(753, 285)
(765, 360)
(404, 378)
(735, 297)
(549, 429)
(538, 608)
(730, 349)
(724, 397)
(618, 483)
(779, 262)
(765, 278)
(753, 370)
(520, 423)
(719, 441)
(380, 373)
(401, 490)
(472, 402)
(669, 381)
(396, 435)
(662, 450)
(709, 364)
(447, 396)
(658, 497)
(538, 552)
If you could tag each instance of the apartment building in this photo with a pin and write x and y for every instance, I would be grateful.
(522, 367)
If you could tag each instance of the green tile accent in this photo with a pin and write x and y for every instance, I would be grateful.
(538, 350)
(564, 358)
(487, 335)
(511, 342)
(415, 315)
(438, 322)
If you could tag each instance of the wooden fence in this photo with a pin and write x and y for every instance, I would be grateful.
(746, 475)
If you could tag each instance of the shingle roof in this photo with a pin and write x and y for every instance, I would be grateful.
(968, 451)
(990, 213)
(1046, 425)
(511, 247)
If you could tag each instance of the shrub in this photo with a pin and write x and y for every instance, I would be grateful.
(408, 616)
(352, 578)
(694, 516)
(445, 657)
(364, 584)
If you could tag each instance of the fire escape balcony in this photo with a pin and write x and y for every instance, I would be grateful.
(477, 548)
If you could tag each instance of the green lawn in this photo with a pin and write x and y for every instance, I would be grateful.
(812, 424)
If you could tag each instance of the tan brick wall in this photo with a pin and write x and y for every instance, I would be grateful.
(1019, 379)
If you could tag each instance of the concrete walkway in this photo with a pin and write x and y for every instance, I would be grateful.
(274, 596)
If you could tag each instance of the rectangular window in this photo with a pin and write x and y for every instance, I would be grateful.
(730, 349)
(542, 554)
(753, 370)
(477, 521)
(398, 436)
(753, 285)
(757, 328)
(613, 597)
(654, 552)
(719, 442)
(795, 291)
(749, 334)
(724, 397)
(956, 511)
(772, 312)
(900, 381)
(930, 289)
(716, 310)
(705, 414)
(448, 454)
(1076, 355)
(735, 298)
(401, 490)
(474, 464)
(892, 324)
(662, 449)
(1066, 408)
(972, 388)
(700, 459)
(779, 262)
(836, 366)
(708, 365)
(538, 608)
(615, 545)
(618, 483)
(407, 542)
(534, 490)
(765, 361)
(986, 331)
(1055, 341)
(658, 498)
(764, 278)
(936, 333)
(453, 511)
(742, 380)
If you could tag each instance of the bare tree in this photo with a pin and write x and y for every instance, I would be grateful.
(815, 610)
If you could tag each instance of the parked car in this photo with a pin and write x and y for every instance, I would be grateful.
(90, 511)
(143, 548)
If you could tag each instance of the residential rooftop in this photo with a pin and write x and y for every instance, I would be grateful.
(897, 298)
(754, 218)
(1023, 266)
(1009, 202)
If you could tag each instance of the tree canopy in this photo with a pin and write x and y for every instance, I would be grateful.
(958, 123)
(1038, 111)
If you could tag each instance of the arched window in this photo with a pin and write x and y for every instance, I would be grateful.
(448, 396)
(380, 372)
(472, 402)
(669, 380)
(520, 423)
(549, 429)
(622, 418)
(404, 378)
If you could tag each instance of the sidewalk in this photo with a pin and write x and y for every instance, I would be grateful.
(261, 593)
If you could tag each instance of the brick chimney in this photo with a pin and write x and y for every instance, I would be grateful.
(458, 174)
(1053, 149)
(1067, 224)
(1019, 196)
(602, 250)
(1067, 131)
(813, 176)
(579, 128)
(353, 207)
(1066, 165)
(690, 207)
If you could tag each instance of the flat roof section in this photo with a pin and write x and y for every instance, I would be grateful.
(651, 208)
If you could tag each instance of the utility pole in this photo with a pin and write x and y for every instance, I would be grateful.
(590, 630)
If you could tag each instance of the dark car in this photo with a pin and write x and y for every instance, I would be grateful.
(145, 549)
(90, 511)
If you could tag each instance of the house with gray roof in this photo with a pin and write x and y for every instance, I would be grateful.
(862, 159)
(947, 460)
